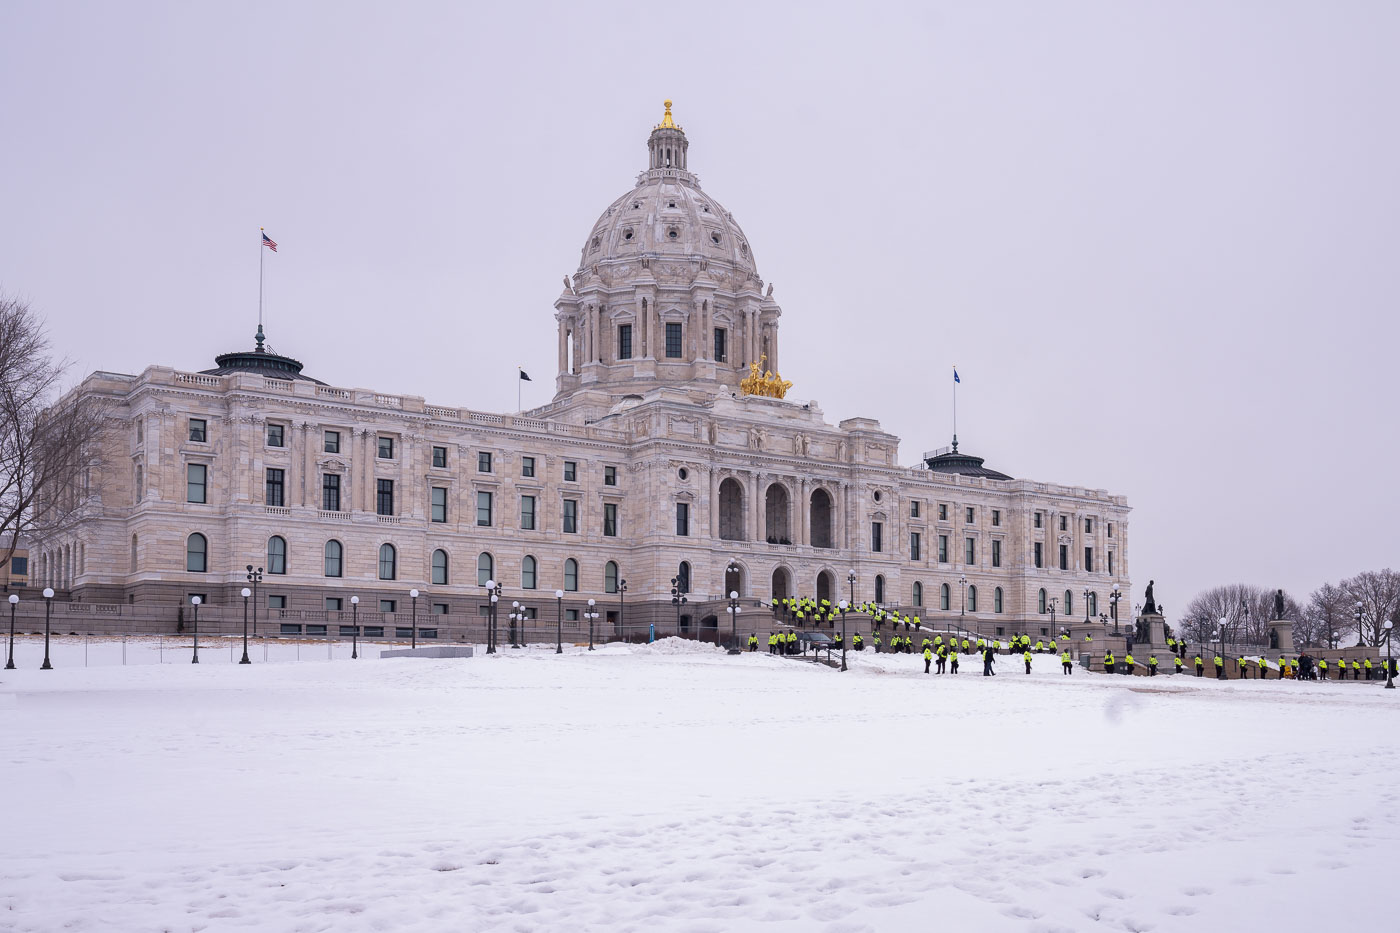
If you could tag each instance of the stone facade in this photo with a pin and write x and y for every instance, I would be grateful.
(668, 469)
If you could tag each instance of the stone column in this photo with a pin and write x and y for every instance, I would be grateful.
(563, 345)
(756, 513)
(714, 504)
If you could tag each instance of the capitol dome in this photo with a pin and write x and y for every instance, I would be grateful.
(666, 293)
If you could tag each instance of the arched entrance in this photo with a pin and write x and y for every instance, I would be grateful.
(731, 510)
(709, 629)
(782, 583)
(825, 584)
(776, 510)
(820, 514)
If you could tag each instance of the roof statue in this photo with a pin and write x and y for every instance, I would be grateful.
(768, 384)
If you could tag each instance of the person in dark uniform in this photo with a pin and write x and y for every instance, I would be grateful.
(988, 659)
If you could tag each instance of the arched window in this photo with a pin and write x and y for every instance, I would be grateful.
(996, 600)
(571, 575)
(610, 577)
(944, 597)
(335, 559)
(388, 562)
(683, 577)
(731, 510)
(820, 518)
(439, 567)
(276, 554)
(485, 568)
(1093, 603)
(918, 593)
(133, 553)
(972, 599)
(1069, 603)
(879, 588)
(776, 513)
(527, 573)
(1044, 605)
(196, 553)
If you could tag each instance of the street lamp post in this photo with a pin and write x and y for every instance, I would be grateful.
(734, 622)
(732, 570)
(1360, 637)
(621, 607)
(678, 600)
(493, 591)
(962, 584)
(1086, 605)
(195, 601)
(10, 664)
(413, 595)
(246, 593)
(1224, 622)
(354, 628)
(255, 577)
(1054, 604)
(559, 622)
(513, 616)
(590, 615)
(1389, 661)
(844, 607)
(48, 604)
(1113, 606)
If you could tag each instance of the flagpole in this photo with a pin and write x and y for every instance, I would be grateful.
(518, 389)
(955, 406)
(261, 250)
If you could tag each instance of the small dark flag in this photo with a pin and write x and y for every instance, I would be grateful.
(525, 377)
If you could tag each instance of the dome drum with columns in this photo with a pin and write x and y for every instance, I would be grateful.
(667, 292)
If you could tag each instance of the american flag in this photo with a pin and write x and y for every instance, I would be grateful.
(269, 242)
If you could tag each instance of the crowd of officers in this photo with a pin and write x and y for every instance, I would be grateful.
(804, 611)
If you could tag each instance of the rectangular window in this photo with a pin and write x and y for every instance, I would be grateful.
(427, 633)
(439, 458)
(673, 341)
(289, 628)
(404, 631)
(1110, 529)
(1064, 557)
(1088, 560)
(942, 513)
(624, 341)
(386, 448)
(527, 513)
(483, 509)
(330, 492)
(570, 471)
(439, 504)
(913, 545)
(348, 630)
(877, 534)
(439, 609)
(384, 498)
(1064, 523)
(970, 515)
(610, 520)
(275, 436)
(610, 476)
(330, 442)
(721, 345)
(571, 516)
(195, 478)
(1088, 526)
(334, 603)
(483, 461)
(276, 602)
(570, 615)
(996, 517)
(1110, 563)
(374, 631)
(386, 605)
(943, 549)
(1038, 517)
(527, 466)
(19, 566)
(971, 551)
(315, 630)
(996, 553)
(275, 486)
(199, 431)
(683, 519)
(914, 508)
(1039, 555)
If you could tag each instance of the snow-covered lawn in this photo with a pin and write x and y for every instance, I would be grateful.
(672, 787)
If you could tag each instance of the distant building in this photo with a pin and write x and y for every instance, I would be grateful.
(666, 453)
(15, 571)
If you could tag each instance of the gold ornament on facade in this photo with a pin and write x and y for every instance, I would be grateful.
(767, 384)
(666, 122)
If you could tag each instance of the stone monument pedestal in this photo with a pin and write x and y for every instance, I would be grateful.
(1281, 635)
(1154, 626)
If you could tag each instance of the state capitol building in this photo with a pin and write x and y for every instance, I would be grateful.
(668, 452)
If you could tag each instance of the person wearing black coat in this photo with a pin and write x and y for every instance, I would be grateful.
(988, 659)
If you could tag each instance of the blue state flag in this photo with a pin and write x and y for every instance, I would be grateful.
(955, 375)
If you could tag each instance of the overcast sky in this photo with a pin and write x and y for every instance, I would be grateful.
(1158, 240)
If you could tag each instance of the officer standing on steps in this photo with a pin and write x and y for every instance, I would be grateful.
(928, 658)
(1065, 660)
(753, 641)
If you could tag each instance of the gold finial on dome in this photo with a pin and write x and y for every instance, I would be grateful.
(666, 121)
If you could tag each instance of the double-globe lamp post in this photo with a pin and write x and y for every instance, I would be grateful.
(1113, 606)
(962, 582)
(195, 601)
(590, 614)
(355, 628)
(493, 590)
(10, 663)
(734, 622)
(558, 621)
(517, 618)
(255, 577)
(48, 605)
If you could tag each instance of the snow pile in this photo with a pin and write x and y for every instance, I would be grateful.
(622, 790)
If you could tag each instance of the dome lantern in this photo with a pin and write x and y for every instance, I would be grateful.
(667, 145)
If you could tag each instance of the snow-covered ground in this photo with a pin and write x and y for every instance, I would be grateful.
(672, 787)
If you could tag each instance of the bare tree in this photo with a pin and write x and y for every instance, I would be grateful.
(1246, 609)
(1378, 593)
(1327, 618)
(44, 451)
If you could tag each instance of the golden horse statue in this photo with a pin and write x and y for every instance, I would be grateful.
(767, 383)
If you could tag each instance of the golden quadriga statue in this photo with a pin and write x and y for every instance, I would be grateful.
(767, 383)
